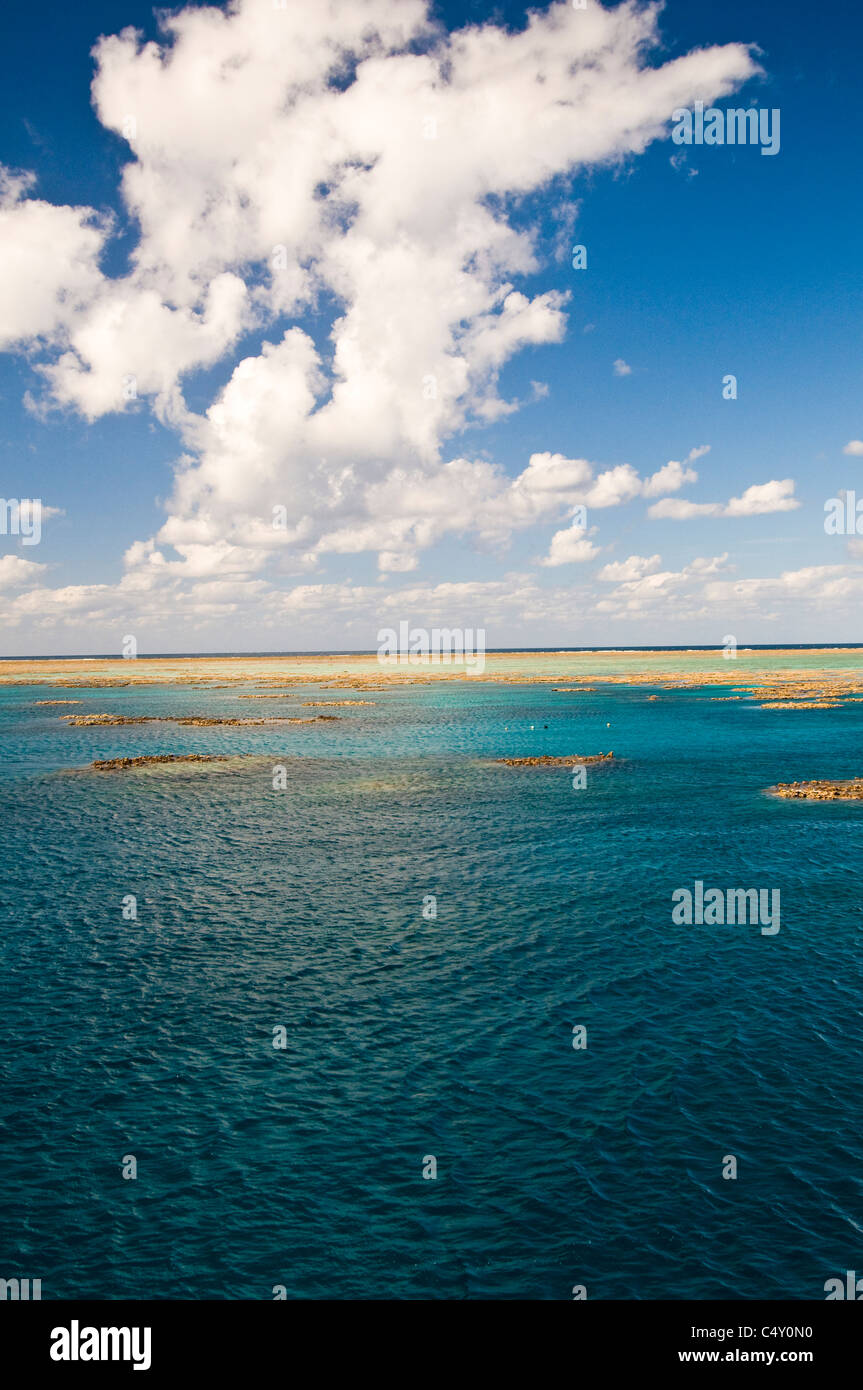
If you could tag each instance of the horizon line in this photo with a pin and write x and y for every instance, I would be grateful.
(497, 651)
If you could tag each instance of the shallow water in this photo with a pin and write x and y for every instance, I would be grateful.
(408, 1036)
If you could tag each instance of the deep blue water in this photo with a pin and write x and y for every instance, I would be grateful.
(409, 1037)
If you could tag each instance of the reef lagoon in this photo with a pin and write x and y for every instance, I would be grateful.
(378, 1015)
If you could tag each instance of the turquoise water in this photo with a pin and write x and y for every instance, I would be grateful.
(408, 1036)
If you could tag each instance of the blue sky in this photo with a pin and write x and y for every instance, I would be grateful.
(723, 261)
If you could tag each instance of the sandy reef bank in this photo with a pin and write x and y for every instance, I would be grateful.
(850, 790)
(551, 760)
(793, 679)
(195, 721)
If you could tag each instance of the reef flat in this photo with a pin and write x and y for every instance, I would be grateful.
(787, 678)
(547, 760)
(116, 764)
(197, 721)
(850, 790)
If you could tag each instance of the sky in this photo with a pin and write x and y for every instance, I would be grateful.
(294, 345)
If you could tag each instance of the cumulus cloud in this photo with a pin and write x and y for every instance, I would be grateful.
(854, 446)
(16, 573)
(706, 591)
(333, 186)
(701, 596)
(622, 368)
(49, 263)
(675, 475)
(611, 488)
(757, 500)
(409, 510)
(570, 546)
(643, 588)
(817, 586)
(635, 567)
(351, 152)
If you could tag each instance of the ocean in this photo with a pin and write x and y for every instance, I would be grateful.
(423, 929)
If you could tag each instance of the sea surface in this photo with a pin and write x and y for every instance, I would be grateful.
(409, 1036)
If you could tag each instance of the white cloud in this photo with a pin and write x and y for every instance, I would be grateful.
(48, 263)
(674, 475)
(635, 567)
(16, 573)
(385, 190)
(757, 500)
(643, 589)
(695, 600)
(622, 368)
(762, 498)
(815, 585)
(854, 446)
(349, 154)
(612, 488)
(570, 547)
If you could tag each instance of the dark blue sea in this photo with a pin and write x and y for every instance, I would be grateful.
(411, 1037)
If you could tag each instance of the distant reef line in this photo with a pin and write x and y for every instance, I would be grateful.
(774, 680)
(194, 721)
